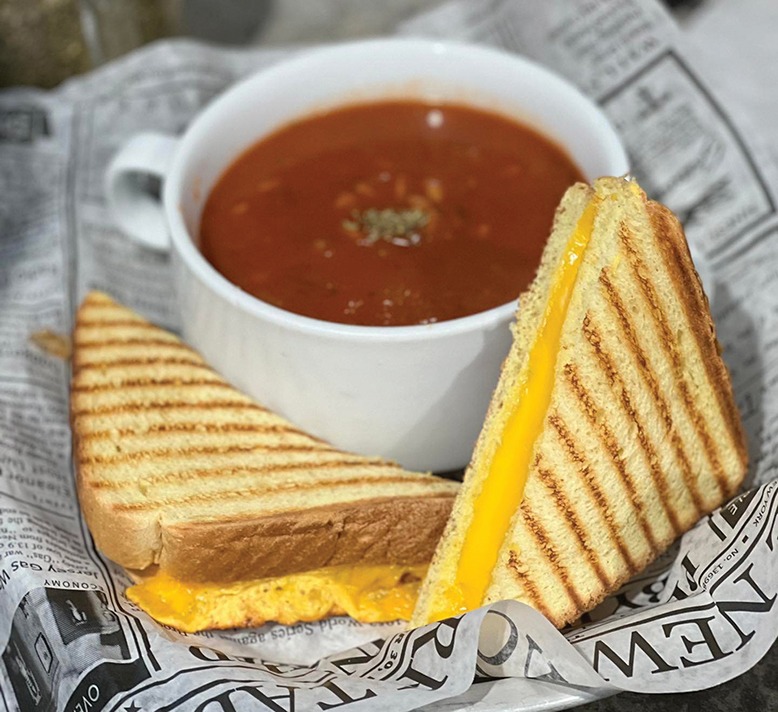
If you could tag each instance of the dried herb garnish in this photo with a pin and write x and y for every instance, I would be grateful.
(399, 227)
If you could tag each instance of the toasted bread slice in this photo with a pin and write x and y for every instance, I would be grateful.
(636, 437)
(180, 474)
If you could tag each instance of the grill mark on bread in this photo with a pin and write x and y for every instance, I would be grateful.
(84, 345)
(152, 382)
(167, 453)
(698, 421)
(107, 365)
(260, 492)
(611, 446)
(647, 375)
(165, 405)
(695, 303)
(222, 471)
(614, 377)
(543, 542)
(197, 427)
(550, 482)
(583, 468)
(101, 323)
(526, 583)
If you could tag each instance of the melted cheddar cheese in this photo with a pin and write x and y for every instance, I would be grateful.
(370, 594)
(503, 486)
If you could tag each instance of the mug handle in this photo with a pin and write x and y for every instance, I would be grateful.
(133, 184)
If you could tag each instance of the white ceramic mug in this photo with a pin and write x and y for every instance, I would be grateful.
(416, 394)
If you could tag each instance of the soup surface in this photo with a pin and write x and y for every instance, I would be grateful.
(389, 213)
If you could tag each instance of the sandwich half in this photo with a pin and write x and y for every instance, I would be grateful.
(612, 429)
(224, 513)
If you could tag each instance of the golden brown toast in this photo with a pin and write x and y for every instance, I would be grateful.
(640, 436)
(180, 473)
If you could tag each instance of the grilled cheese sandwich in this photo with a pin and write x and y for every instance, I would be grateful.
(612, 429)
(225, 513)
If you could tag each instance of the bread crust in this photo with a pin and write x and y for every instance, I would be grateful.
(125, 538)
(370, 532)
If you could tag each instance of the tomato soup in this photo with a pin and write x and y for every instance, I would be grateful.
(388, 213)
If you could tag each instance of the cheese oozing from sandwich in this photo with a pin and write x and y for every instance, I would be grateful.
(370, 594)
(503, 487)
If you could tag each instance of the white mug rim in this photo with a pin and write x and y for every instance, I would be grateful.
(184, 243)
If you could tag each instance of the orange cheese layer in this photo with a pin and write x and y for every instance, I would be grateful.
(503, 487)
(370, 594)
